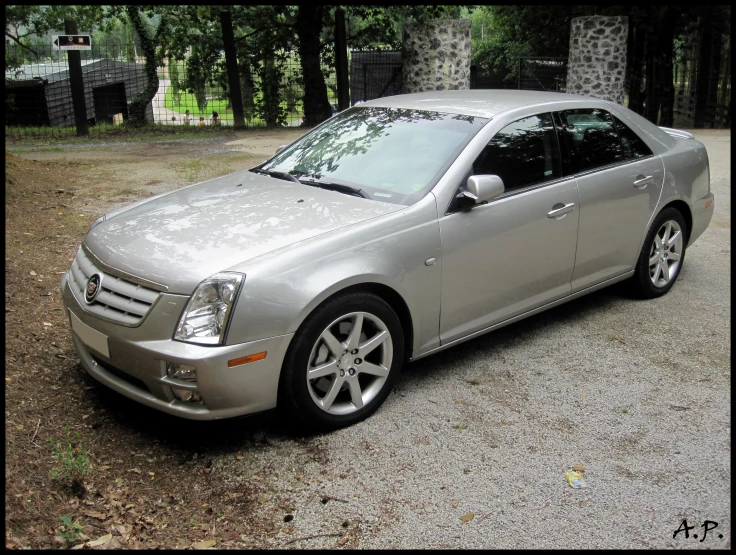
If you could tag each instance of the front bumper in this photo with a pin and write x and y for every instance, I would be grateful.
(702, 212)
(136, 365)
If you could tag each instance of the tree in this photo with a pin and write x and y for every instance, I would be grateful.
(153, 50)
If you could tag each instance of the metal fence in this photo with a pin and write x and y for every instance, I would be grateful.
(374, 74)
(38, 99)
(543, 74)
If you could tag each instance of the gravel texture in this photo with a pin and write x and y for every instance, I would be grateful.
(636, 391)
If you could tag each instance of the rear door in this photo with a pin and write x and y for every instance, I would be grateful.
(620, 181)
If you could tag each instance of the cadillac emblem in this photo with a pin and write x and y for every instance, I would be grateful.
(93, 287)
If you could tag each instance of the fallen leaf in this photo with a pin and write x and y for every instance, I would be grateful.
(136, 470)
(78, 546)
(33, 273)
(583, 394)
(95, 514)
(261, 499)
(114, 544)
(454, 505)
(106, 467)
(458, 399)
(100, 541)
(523, 383)
(342, 541)
(579, 468)
(121, 528)
(239, 457)
(467, 517)
(204, 545)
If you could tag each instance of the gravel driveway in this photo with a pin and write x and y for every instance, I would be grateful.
(638, 392)
(471, 449)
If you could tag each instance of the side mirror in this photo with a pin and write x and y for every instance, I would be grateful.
(480, 189)
(279, 149)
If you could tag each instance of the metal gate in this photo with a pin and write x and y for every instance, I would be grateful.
(543, 74)
(374, 74)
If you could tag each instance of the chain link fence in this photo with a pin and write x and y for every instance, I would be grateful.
(38, 100)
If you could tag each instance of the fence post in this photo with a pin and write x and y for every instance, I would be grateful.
(519, 73)
(76, 82)
(233, 76)
(341, 61)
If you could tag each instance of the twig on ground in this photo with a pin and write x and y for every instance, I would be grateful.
(326, 498)
(335, 535)
(485, 516)
(34, 433)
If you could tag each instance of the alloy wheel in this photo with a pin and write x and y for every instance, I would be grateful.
(665, 254)
(349, 363)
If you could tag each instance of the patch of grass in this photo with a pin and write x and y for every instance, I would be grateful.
(124, 191)
(69, 531)
(461, 427)
(71, 457)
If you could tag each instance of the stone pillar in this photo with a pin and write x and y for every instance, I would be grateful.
(436, 55)
(597, 63)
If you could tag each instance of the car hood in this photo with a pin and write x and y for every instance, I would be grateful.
(183, 237)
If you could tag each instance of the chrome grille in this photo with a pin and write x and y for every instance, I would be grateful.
(119, 300)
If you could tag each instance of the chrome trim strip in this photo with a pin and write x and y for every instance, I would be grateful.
(120, 273)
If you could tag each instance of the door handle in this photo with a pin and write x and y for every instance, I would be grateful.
(559, 210)
(642, 181)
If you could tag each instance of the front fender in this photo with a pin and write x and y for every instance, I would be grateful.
(282, 288)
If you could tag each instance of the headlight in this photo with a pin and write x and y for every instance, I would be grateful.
(205, 318)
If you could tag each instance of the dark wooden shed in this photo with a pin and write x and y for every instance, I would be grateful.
(42, 95)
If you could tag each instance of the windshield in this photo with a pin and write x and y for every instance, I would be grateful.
(392, 155)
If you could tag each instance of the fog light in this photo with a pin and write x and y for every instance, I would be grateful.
(187, 395)
(181, 372)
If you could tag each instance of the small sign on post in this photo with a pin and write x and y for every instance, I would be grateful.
(71, 42)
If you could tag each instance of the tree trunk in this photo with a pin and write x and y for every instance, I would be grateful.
(231, 61)
(666, 49)
(137, 106)
(715, 68)
(652, 96)
(636, 98)
(308, 28)
(702, 81)
(725, 73)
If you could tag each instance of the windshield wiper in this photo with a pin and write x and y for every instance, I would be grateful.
(280, 175)
(339, 187)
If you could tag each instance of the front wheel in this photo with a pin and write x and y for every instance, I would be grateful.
(662, 255)
(343, 362)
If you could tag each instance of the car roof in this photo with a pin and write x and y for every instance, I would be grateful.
(484, 103)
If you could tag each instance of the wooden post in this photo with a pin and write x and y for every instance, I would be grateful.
(341, 61)
(76, 81)
(233, 76)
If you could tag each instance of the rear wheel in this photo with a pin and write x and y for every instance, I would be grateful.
(343, 362)
(662, 255)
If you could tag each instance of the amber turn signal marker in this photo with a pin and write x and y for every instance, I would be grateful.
(246, 360)
(707, 204)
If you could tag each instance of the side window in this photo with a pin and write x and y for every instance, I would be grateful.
(523, 153)
(592, 138)
(632, 144)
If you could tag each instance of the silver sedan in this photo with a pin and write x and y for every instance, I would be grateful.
(398, 228)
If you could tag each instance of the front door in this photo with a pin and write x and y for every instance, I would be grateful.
(517, 252)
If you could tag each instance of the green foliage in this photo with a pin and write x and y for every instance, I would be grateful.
(71, 457)
(70, 532)
(174, 85)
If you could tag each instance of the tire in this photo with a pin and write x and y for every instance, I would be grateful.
(350, 384)
(656, 268)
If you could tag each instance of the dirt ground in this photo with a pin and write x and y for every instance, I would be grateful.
(150, 482)
(470, 450)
